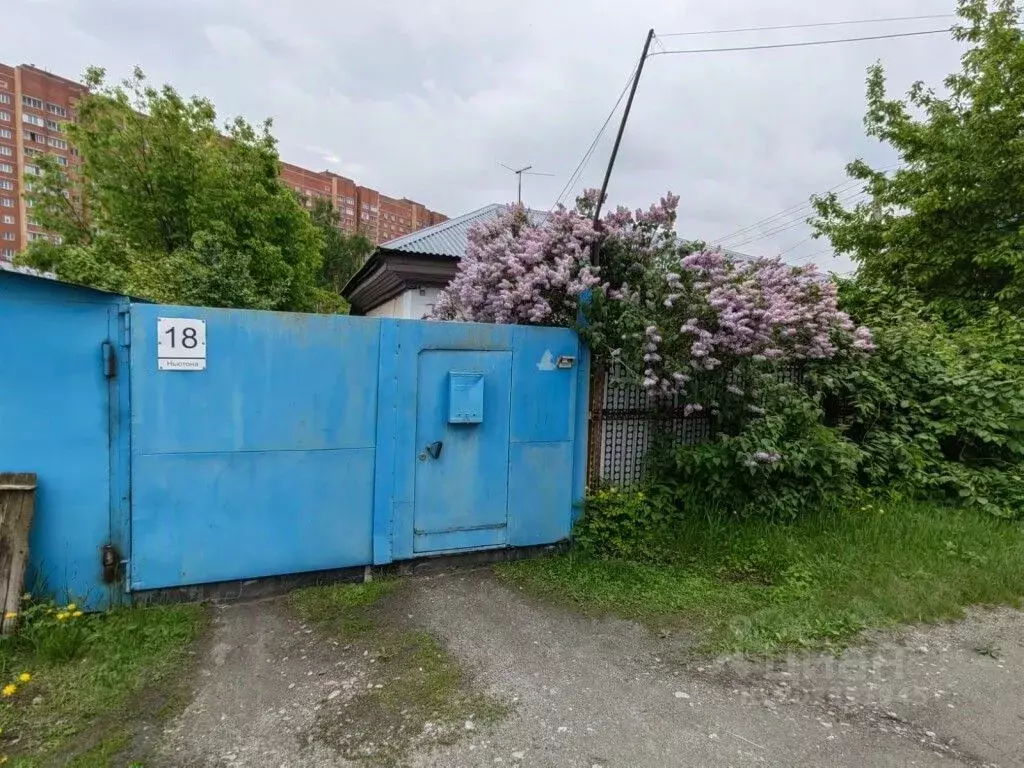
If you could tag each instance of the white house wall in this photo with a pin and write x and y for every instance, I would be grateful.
(409, 305)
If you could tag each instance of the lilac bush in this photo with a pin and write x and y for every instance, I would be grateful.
(516, 271)
(714, 311)
(665, 312)
(678, 319)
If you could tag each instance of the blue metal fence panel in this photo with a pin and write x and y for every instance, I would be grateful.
(545, 386)
(56, 413)
(261, 464)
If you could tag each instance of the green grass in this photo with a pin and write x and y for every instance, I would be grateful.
(425, 698)
(132, 666)
(754, 587)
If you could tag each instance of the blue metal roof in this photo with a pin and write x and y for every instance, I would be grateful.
(449, 238)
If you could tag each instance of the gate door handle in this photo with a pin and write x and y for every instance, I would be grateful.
(434, 449)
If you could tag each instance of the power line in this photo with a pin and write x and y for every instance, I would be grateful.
(799, 209)
(808, 257)
(796, 245)
(581, 166)
(856, 197)
(805, 44)
(786, 213)
(809, 26)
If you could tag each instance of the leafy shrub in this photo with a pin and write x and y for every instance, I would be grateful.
(935, 410)
(779, 465)
(625, 524)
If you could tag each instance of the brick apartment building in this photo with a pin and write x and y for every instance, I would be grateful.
(34, 103)
(361, 209)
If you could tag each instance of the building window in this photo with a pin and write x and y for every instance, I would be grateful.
(33, 170)
(57, 143)
(6, 151)
(36, 236)
(29, 152)
(8, 219)
(61, 160)
(6, 202)
(36, 137)
(7, 184)
(7, 253)
(53, 125)
(5, 98)
(6, 116)
(56, 109)
(9, 236)
(6, 134)
(6, 168)
(28, 101)
(32, 119)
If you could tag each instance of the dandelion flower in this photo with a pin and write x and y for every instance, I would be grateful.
(24, 677)
(71, 607)
(61, 616)
(9, 690)
(76, 614)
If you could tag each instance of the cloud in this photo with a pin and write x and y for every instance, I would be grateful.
(425, 100)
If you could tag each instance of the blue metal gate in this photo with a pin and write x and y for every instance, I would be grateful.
(270, 443)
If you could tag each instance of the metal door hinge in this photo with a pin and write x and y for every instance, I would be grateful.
(112, 564)
(109, 360)
(126, 326)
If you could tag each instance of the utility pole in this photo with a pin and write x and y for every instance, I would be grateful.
(595, 258)
(519, 178)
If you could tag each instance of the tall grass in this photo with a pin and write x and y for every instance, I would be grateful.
(759, 587)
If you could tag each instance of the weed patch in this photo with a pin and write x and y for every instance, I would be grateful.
(74, 710)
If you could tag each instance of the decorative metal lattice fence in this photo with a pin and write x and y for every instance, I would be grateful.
(625, 420)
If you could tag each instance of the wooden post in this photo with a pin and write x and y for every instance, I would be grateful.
(17, 504)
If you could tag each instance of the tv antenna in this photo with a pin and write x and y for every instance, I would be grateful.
(526, 169)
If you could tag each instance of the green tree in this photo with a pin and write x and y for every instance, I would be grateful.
(343, 252)
(949, 223)
(167, 207)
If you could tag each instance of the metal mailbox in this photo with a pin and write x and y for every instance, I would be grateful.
(465, 398)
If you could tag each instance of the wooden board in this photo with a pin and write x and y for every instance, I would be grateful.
(17, 504)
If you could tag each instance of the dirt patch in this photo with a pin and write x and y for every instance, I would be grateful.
(416, 695)
(956, 688)
(329, 676)
(419, 698)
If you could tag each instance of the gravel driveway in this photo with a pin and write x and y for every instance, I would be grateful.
(599, 692)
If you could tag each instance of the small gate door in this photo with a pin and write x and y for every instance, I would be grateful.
(462, 444)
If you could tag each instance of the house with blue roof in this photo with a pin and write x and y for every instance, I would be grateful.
(403, 276)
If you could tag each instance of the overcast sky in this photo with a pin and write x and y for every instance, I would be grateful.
(425, 99)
